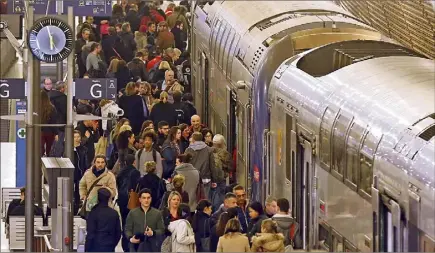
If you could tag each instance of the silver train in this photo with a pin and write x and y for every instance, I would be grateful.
(325, 111)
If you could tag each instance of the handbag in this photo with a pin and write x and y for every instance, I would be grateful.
(101, 147)
(167, 245)
(205, 242)
(83, 212)
(200, 193)
(133, 199)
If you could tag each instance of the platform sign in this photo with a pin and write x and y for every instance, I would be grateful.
(81, 7)
(91, 7)
(20, 156)
(12, 88)
(95, 88)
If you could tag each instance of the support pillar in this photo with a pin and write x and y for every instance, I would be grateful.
(36, 140)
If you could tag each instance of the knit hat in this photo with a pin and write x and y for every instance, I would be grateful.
(256, 206)
(143, 29)
(103, 195)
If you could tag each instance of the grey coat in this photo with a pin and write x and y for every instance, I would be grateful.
(203, 160)
(192, 180)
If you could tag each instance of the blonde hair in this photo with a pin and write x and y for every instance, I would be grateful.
(163, 95)
(113, 67)
(164, 65)
(124, 128)
(233, 226)
(130, 89)
(178, 181)
(177, 52)
(173, 194)
(150, 167)
(270, 226)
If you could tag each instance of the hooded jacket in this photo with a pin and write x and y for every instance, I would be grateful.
(203, 160)
(138, 69)
(192, 180)
(268, 242)
(169, 153)
(183, 238)
(59, 99)
(284, 222)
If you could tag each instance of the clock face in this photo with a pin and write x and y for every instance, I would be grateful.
(50, 40)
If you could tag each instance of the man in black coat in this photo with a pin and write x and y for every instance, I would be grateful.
(137, 66)
(102, 225)
(80, 166)
(128, 42)
(133, 18)
(59, 100)
(80, 42)
(90, 135)
(17, 207)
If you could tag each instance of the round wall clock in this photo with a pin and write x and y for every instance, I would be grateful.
(50, 39)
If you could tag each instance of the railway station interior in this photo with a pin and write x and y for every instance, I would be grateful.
(217, 126)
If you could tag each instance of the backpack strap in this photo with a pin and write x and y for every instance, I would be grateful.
(139, 154)
(155, 155)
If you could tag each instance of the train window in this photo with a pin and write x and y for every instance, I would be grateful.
(227, 47)
(223, 43)
(325, 135)
(218, 38)
(289, 156)
(232, 54)
(214, 35)
(339, 147)
(366, 163)
(352, 160)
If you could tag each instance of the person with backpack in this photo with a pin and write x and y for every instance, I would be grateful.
(126, 181)
(151, 181)
(147, 154)
(192, 180)
(287, 225)
(94, 65)
(128, 43)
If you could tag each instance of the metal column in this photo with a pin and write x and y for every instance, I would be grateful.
(63, 214)
(36, 140)
(29, 223)
(59, 65)
(69, 128)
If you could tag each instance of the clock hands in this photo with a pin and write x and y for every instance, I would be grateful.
(51, 38)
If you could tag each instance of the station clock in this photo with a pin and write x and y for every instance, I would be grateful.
(50, 39)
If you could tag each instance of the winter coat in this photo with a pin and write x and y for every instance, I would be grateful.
(189, 110)
(59, 100)
(223, 161)
(19, 210)
(133, 107)
(107, 180)
(254, 225)
(134, 20)
(163, 112)
(202, 229)
(123, 77)
(192, 180)
(183, 238)
(148, 157)
(169, 153)
(180, 38)
(203, 160)
(156, 185)
(127, 39)
(110, 44)
(81, 163)
(138, 69)
(240, 215)
(141, 40)
(103, 229)
(268, 242)
(89, 143)
(165, 40)
(151, 39)
(233, 243)
(284, 222)
(126, 180)
(82, 108)
(137, 220)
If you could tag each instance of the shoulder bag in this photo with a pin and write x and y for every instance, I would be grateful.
(83, 212)
(133, 199)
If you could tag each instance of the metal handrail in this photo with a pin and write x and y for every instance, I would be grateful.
(48, 244)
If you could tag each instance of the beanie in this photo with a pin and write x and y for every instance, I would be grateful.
(256, 206)
(143, 29)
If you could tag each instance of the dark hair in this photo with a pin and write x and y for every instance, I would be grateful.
(23, 190)
(222, 223)
(112, 30)
(143, 191)
(103, 195)
(129, 159)
(100, 156)
(185, 158)
(117, 10)
(178, 22)
(238, 187)
(183, 126)
(149, 134)
(139, 54)
(257, 206)
(173, 133)
(283, 204)
(230, 195)
(162, 124)
(202, 204)
(150, 23)
(146, 124)
(188, 97)
(204, 132)
(157, 94)
(177, 95)
(122, 140)
(94, 46)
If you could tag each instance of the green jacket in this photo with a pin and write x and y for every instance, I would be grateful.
(138, 220)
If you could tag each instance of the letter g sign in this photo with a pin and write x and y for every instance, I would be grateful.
(95, 92)
(5, 93)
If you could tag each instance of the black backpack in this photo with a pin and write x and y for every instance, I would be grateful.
(154, 155)
(180, 116)
(153, 71)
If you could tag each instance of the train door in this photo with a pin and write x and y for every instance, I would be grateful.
(232, 121)
(202, 89)
(303, 194)
(389, 224)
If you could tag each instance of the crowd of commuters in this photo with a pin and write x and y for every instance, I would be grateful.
(156, 178)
